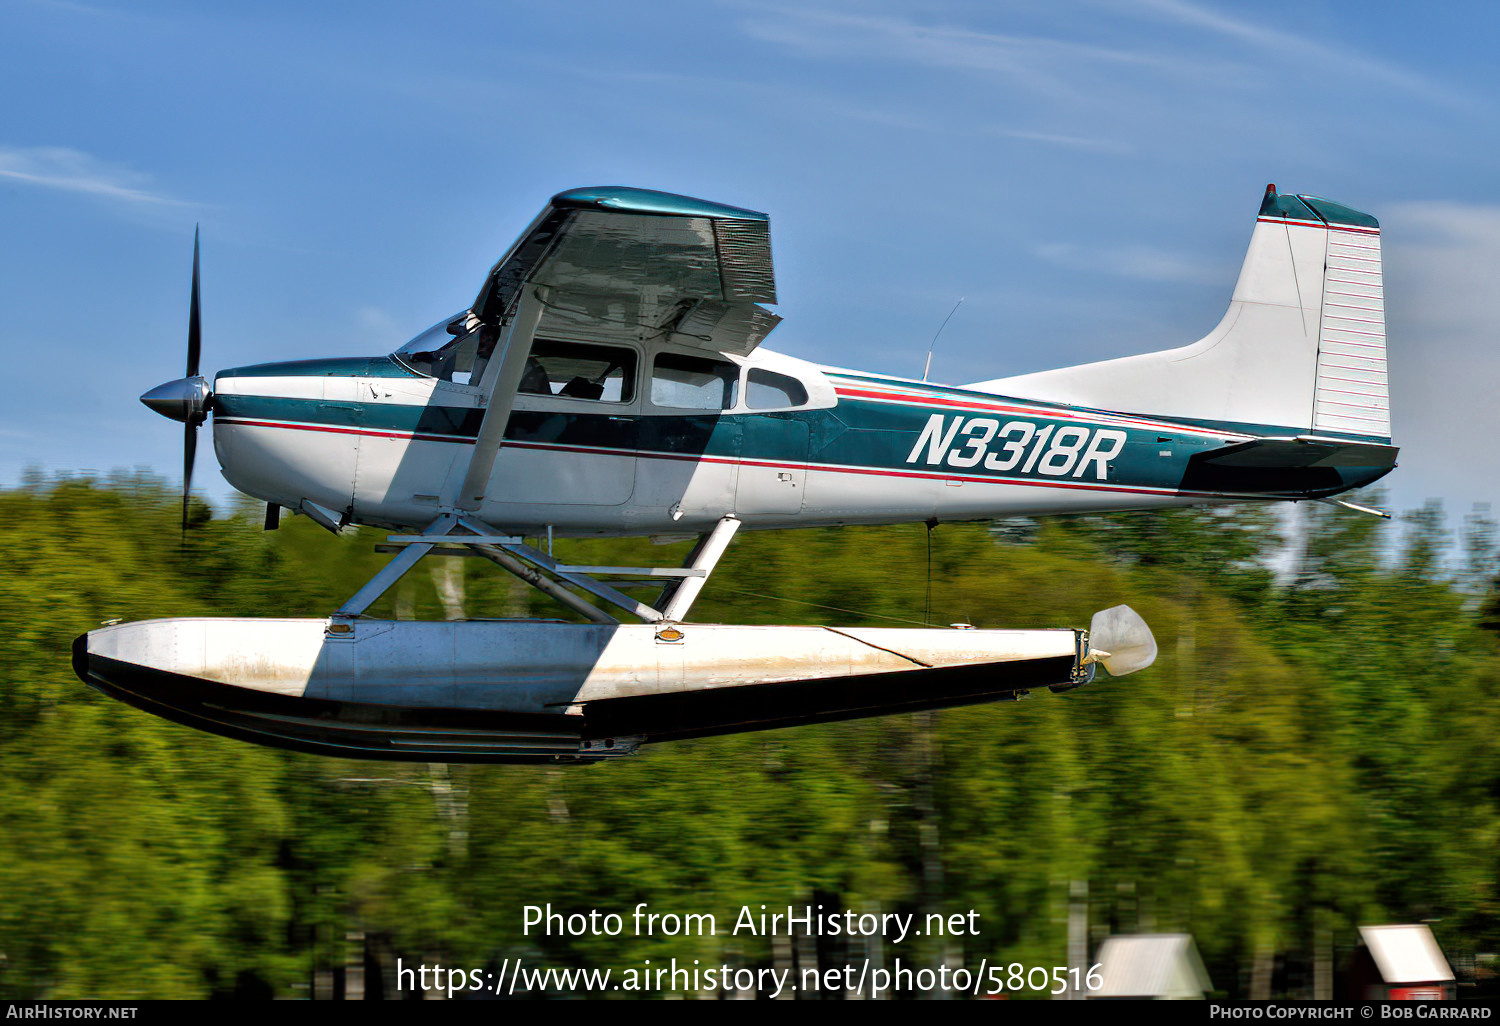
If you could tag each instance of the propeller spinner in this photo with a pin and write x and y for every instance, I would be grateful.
(189, 398)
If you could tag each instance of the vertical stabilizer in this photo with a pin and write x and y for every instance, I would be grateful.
(1301, 348)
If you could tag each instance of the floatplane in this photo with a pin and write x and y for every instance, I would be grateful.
(610, 379)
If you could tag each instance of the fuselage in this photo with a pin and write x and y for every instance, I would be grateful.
(787, 443)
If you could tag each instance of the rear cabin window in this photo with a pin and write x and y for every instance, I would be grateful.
(693, 382)
(579, 370)
(767, 390)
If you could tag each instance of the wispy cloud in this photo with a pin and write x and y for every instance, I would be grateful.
(74, 171)
(916, 120)
(1442, 308)
(1077, 142)
(1292, 47)
(72, 8)
(1039, 64)
(1143, 262)
(1441, 259)
(378, 326)
(1206, 51)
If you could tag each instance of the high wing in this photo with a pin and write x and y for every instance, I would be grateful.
(615, 262)
(641, 264)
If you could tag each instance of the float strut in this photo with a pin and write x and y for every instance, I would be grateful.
(705, 557)
(395, 569)
(544, 584)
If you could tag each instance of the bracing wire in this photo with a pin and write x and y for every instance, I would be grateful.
(927, 616)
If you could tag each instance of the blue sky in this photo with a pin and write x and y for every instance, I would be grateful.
(1085, 174)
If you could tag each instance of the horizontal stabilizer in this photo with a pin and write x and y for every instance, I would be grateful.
(1289, 453)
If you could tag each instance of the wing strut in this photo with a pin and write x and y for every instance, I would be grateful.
(502, 376)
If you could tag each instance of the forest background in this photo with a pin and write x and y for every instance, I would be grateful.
(1314, 750)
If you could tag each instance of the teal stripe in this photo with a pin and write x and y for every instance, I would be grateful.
(1257, 430)
(428, 420)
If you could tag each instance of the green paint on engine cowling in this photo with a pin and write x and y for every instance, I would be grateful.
(339, 367)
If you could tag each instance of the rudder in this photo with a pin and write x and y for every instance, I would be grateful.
(1352, 395)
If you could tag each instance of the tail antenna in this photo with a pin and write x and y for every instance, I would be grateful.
(928, 367)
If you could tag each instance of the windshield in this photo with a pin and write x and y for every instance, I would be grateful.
(433, 339)
(446, 352)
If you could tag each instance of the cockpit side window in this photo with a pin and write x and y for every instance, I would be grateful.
(579, 370)
(572, 370)
(693, 382)
(767, 390)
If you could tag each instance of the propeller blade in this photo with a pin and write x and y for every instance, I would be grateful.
(195, 331)
(189, 451)
(1120, 639)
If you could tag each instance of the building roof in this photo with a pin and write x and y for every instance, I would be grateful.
(1406, 954)
(1150, 965)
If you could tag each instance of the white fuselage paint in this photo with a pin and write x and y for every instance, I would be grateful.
(403, 479)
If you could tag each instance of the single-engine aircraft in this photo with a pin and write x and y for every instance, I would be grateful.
(609, 379)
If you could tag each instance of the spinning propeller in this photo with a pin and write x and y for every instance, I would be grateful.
(1121, 641)
(189, 398)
